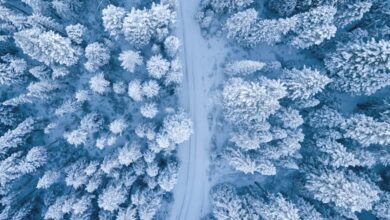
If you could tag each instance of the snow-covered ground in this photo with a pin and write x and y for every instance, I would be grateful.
(200, 60)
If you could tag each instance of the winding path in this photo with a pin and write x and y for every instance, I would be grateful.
(199, 59)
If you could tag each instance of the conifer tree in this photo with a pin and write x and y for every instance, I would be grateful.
(360, 67)
(47, 47)
(314, 26)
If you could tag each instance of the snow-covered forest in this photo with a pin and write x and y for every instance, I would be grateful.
(194, 109)
(303, 129)
(90, 120)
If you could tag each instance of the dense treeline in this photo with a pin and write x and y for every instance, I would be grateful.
(89, 121)
(314, 133)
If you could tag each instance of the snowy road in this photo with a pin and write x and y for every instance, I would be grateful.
(191, 192)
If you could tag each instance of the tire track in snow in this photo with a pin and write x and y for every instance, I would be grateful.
(188, 204)
(192, 190)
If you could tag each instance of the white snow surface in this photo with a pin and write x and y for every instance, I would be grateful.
(200, 58)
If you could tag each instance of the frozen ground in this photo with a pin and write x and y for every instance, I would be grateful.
(200, 62)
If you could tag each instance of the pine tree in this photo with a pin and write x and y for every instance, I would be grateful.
(367, 130)
(167, 178)
(48, 179)
(137, 27)
(129, 153)
(35, 158)
(54, 211)
(360, 68)
(240, 27)
(221, 6)
(118, 126)
(43, 22)
(119, 87)
(130, 60)
(278, 208)
(345, 190)
(177, 127)
(351, 12)
(305, 5)
(135, 90)
(129, 213)
(325, 117)
(247, 140)
(172, 45)
(47, 47)
(272, 31)
(382, 207)
(16, 165)
(243, 67)
(11, 19)
(150, 88)
(152, 169)
(111, 197)
(67, 8)
(75, 175)
(76, 32)
(11, 71)
(149, 110)
(288, 118)
(314, 27)
(305, 83)
(37, 6)
(97, 55)
(161, 17)
(99, 84)
(307, 211)
(8, 117)
(113, 20)
(82, 205)
(249, 102)
(226, 203)
(14, 138)
(283, 7)
(148, 210)
(336, 154)
(157, 66)
(249, 162)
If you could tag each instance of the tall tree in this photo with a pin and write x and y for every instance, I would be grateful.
(360, 68)
(47, 47)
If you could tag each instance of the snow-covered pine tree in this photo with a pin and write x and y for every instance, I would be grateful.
(221, 6)
(272, 31)
(282, 7)
(240, 26)
(279, 208)
(304, 83)
(130, 60)
(367, 130)
(137, 27)
(12, 70)
(47, 47)
(314, 27)
(97, 55)
(113, 20)
(249, 162)
(14, 138)
(157, 66)
(344, 189)
(351, 12)
(226, 203)
(248, 102)
(360, 68)
(243, 67)
(17, 165)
